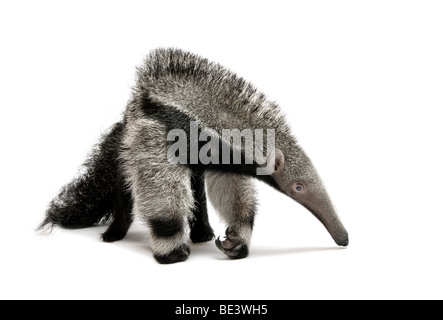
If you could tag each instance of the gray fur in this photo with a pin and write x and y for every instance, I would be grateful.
(173, 88)
(234, 198)
(209, 94)
(159, 189)
(217, 98)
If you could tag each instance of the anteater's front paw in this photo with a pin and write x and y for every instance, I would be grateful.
(177, 255)
(233, 247)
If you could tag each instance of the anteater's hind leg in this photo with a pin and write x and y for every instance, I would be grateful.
(234, 197)
(122, 214)
(201, 230)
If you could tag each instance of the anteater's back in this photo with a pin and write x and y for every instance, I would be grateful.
(206, 91)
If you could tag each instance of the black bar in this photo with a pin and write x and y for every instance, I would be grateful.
(219, 309)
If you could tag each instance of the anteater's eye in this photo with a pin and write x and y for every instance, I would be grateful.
(298, 187)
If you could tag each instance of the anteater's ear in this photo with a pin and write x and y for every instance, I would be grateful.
(275, 161)
(279, 163)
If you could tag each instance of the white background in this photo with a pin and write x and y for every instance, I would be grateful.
(360, 81)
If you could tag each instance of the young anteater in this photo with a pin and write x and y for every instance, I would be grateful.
(130, 172)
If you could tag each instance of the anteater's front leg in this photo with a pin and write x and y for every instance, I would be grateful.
(161, 190)
(234, 198)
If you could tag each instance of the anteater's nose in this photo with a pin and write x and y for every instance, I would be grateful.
(343, 242)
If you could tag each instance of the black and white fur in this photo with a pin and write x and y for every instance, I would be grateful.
(128, 172)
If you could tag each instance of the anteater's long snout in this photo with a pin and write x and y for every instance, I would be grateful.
(323, 209)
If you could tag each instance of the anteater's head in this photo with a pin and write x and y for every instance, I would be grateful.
(294, 175)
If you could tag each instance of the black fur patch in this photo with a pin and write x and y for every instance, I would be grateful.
(165, 227)
(174, 119)
(89, 198)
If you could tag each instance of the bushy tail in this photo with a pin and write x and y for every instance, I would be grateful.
(88, 199)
